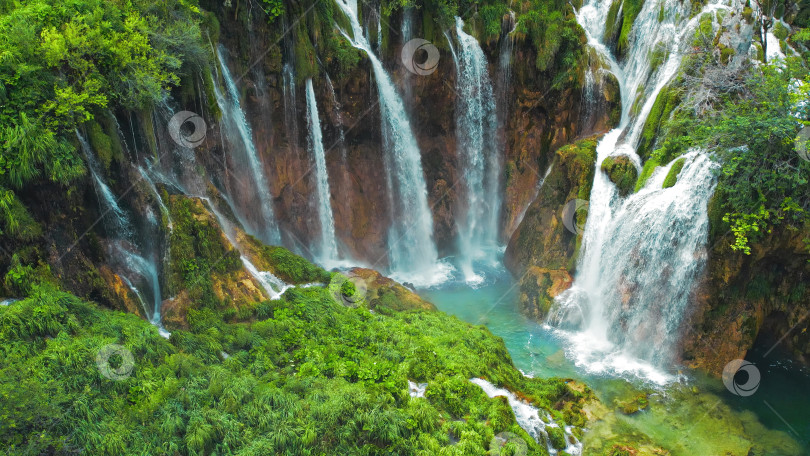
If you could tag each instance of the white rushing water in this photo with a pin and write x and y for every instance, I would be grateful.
(412, 252)
(528, 417)
(273, 286)
(327, 250)
(478, 153)
(240, 139)
(642, 254)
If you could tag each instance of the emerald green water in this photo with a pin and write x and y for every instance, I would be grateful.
(689, 415)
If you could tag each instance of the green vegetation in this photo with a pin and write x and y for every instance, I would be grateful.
(672, 175)
(753, 131)
(622, 172)
(305, 375)
(66, 65)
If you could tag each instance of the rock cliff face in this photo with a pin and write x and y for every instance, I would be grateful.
(538, 120)
(745, 300)
(541, 253)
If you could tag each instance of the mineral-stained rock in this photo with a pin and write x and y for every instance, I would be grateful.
(542, 252)
(744, 298)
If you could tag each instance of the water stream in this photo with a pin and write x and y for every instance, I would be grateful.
(640, 255)
(239, 138)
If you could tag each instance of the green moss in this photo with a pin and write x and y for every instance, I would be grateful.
(580, 159)
(748, 14)
(780, 31)
(613, 24)
(622, 172)
(306, 64)
(556, 437)
(101, 143)
(646, 172)
(198, 250)
(658, 55)
(726, 54)
(663, 107)
(292, 268)
(630, 10)
(672, 175)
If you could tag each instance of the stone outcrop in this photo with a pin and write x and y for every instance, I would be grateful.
(542, 252)
(745, 300)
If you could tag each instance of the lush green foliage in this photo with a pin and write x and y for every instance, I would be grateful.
(672, 175)
(308, 376)
(764, 179)
(63, 63)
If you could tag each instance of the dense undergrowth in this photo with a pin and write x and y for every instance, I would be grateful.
(305, 376)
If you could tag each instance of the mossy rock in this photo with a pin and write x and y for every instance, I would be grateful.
(672, 175)
(646, 172)
(633, 405)
(658, 55)
(622, 172)
(556, 437)
(665, 103)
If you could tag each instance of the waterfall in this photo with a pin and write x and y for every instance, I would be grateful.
(240, 139)
(412, 253)
(640, 255)
(479, 156)
(138, 270)
(272, 285)
(506, 48)
(328, 245)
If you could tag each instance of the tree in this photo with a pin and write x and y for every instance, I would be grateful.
(766, 11)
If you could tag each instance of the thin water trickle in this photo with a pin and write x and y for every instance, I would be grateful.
(138, 267)
(327, 250)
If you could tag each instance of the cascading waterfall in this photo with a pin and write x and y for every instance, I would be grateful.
(327, 250)
(479, 155)
(506, 49)
(139, 271)
(640, 255)
(272, 285)
(412, 253)
(238, 135)
(528, 417)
